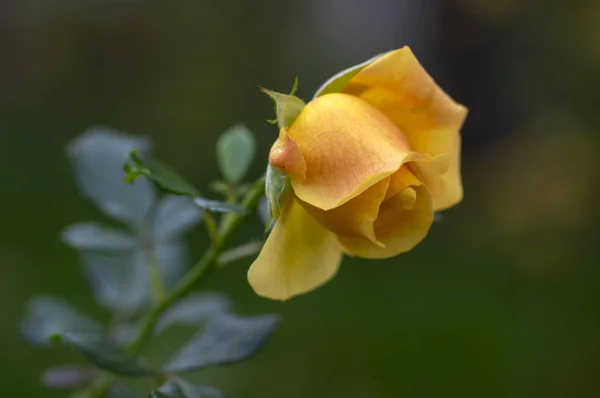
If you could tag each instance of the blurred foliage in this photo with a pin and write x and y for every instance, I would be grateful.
(500, 301)
(137, 272)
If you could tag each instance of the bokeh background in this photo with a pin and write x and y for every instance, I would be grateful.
(501, 300)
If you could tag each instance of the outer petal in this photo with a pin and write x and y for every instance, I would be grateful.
(404, 219)
(298, 256)
(348, 146)
(430, 120)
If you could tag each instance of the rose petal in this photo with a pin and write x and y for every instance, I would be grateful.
(429, 119)
(355, 217)
(348, 146)
(403, 221)
(298, 256)
(286, 156)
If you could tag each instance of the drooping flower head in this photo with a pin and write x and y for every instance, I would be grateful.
(360, 169)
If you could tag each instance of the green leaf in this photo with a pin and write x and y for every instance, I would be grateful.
(339, 80)
(174, 216)
(193, 310)
(235, 151)
(104, 355)
(225, 339)
(52, 320)
(94, 236)
(65, 377)
(239, 252)
(162, 175)
(97, 157)
(168, 180)
(190, 390)
(183, 389)
(287, 107)
(47, 316)
(120, 280)
(219, 207)
(116, 263)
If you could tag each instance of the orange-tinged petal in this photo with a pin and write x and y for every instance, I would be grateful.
(428, 118)
(355, 217)
(348, 146)
(298, 256)
(403, 221)
(286, 156)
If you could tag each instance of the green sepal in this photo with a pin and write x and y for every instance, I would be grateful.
(339, 80)
(287, 106)
(294, 86)
(277, 186)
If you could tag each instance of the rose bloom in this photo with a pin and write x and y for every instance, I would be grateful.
(368, 164)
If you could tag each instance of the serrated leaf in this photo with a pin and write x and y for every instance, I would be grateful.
(194, 310)
(46, 316)
(239, 252)
(219, 207)
(97, 158)
(166, 178)
(94, 236)
(184, 389)
(140, 164)
(225, 339)
(65, 377)
(235, 151)
(105, 356)
(339, 80)
(174, 216)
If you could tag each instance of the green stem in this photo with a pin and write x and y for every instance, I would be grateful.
(206, 265)
(158, 287)
(211, 226)
(147, 241)
(202, 268)
(186, 284)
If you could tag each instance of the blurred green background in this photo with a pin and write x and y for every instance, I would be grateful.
(501, 300)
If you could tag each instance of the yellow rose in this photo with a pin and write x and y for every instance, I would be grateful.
(369, 160)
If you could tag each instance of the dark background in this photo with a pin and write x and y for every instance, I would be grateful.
(501, 300)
